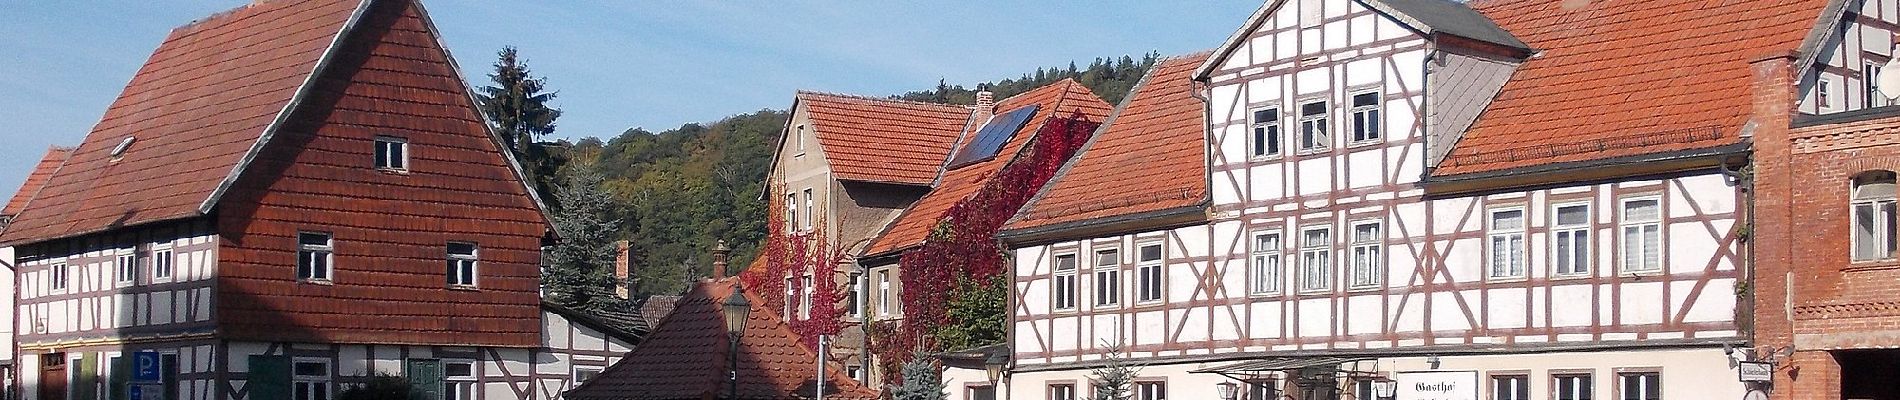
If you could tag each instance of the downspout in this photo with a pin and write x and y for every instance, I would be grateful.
(1743, 178)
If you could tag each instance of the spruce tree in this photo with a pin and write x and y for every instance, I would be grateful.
(516, 103)
(580, 271)
(1115, 379)
(922, 381)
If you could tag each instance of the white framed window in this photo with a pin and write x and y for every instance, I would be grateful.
(310, 379)
(1642, 235)
(1266, 133)
(1314, 133)
(791, 212)
(1266, 264)
(56, 278)
(1570, 240)
(791, 296)
(1640, 385)
(462, 264)
(1510, 387)
(1108, 277)
(126, 268)
(1151, 390)
(799, 137)
(1316, 259)
(458, 380)
(804, 299)
(1505, 243)
(314, 255)
(884, 299)
(1368, 261)
(392, 153)
(1823, 94)
(1150, 270)
(163, 265)
(1062, 391)
(1870, 85)
(584, 374)
(854, 372)
(1873, 212)
(810, 212)
(854, 296)
(1064, 287)
(1365, 117)
(1571, 387)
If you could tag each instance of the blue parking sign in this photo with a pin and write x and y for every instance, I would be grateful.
(145, 367)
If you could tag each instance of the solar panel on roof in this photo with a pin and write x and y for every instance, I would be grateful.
(989, 140)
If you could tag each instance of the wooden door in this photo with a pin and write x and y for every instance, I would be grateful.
(425, 378)
(53, 376)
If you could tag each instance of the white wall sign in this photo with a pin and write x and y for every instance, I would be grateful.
(1438, 385)
(1755, 371)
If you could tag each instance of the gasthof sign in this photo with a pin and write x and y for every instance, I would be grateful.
(1755, 371)
(1437, 385)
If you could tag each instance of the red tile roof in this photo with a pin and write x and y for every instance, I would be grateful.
(687, 356)
(1060, 99)
(37, 179)
(1149, 156)
(1625, 78)
(195, 110)
(884, 140)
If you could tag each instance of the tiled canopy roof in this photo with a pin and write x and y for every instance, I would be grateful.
(883, 140)
(196, 108)
(1057, 100)
(37, 179)
(686, 357)
(1625, 78)
(1149, 156)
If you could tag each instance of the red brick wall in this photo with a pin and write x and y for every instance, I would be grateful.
(389, 229)
(1807, 284)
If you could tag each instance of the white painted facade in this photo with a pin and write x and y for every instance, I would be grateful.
(1331, 247)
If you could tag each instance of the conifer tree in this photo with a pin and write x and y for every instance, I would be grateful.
(580, 271)
(922, 381)
(516, 103)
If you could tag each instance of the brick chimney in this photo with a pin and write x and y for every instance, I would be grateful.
(719, 252)
(623, 270)
(985, 105)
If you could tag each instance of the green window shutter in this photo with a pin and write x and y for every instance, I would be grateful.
(86, 379)
(118, 376)
(425, 378)
(269, 378)
(168, 373)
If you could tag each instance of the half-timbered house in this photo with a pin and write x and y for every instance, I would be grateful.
(288, 198)
(48, 163)
(1502, 200)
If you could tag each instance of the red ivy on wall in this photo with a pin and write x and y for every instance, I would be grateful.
(963, 243)
(794, 255)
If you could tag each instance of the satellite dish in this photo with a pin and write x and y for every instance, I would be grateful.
(1889, 80)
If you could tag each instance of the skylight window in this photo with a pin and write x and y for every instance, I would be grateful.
(119, 151)
(990, 140)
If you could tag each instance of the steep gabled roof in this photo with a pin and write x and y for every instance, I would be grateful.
(194, 116)
(1625, 78)
(1424, 16)
(1150, 156)
(50, 162)
(883, 140)
(687, 357)
(1057, 100)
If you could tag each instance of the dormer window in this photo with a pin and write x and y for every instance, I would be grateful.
(392, 153)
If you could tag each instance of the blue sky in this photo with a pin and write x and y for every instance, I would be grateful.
(625, 64)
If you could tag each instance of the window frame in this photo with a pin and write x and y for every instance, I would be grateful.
(1258, 268)
(1582, 255)
(1623, 225)
(1654, 386)
(1870, 96)
(1107, 277)
(1055, 388)
(1522, 383)
(1321, 125)
(854, 295)
(125, 268)
(1149, 389)
(1822, 95)
(402, 148)
(1152, 275)
(884, 293)
(578, 369)
(168, 257)
(1062, 282)
(1521, 233)
(328, 253)
(811, 213)
(1375, 132)
(1269, 131)
(791, 295)
(791, 212)
(327, 380)
(808, 288)
(1587, 389)
(451, 385)
(1876, 204)
(1324, 252)
(1376, 246)
(470, 262)
(59, 278)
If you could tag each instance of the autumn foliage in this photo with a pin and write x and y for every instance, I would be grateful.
(790, 256)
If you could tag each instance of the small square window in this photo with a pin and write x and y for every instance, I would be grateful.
(314, 256)
(462, 262)
(392, 153)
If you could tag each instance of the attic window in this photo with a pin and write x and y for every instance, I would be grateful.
(392, 154)
(119, 151)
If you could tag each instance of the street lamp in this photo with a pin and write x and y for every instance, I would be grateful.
(1227, 390)
(994, 365)
(738, 309)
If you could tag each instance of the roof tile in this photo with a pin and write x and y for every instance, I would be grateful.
(884, 140)
(49, 163)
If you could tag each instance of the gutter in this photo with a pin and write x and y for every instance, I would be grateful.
(1438, 350)
(1568, 172)
(1114, 224)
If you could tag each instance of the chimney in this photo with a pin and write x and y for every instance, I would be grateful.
(985, 105)
(623, 273)
(719, 259)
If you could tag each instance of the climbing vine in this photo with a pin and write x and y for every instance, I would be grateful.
(794, 255)
(961, 256)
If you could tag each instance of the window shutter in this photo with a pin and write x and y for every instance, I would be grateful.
(269, 377)
(120, 377)
(87, 384)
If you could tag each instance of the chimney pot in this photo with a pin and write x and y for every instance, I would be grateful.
(719, 252)
(623, 269)
(985, 104)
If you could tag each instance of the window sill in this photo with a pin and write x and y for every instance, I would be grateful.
(1313, 151)
(1506, 278)
(1149, 303)
(1570, 277)
(1872, 265)
(465, 288)
(1263, 295)
(1365, 143)
(1315, 292)
(163, 280)
(314, 281)
(1365, 288)
(1265, 158)
(393, 171)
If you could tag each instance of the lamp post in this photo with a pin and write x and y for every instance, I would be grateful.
(1227, 390)
(737, 309)
(994, 366)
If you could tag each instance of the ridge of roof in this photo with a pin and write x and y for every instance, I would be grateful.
(49, 164)
(868, 139)
(848, 96)
(1434, 15)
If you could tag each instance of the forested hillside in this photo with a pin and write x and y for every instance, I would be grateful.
(681, 189)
